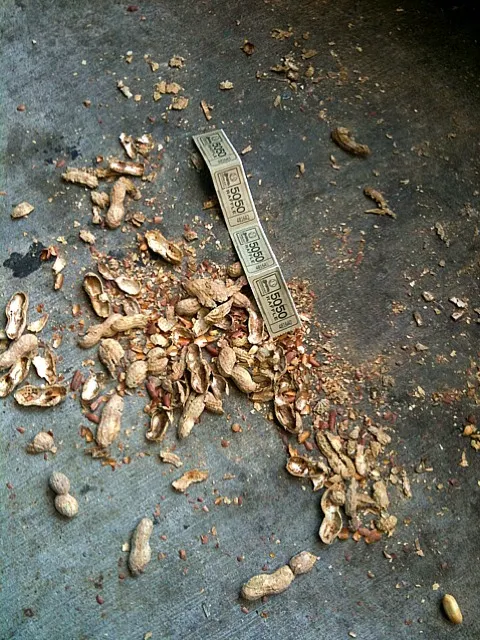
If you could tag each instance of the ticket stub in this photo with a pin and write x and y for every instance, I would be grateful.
(258, 260)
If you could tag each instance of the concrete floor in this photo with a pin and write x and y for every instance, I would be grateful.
(404, 77)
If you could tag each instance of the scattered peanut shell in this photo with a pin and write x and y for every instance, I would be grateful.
(217, 314)
(136, 169)
(187, 307)
(268, 584)
(243, 379)
(16, 312)
(59, 483)
(332, 522)
(344, 139)
(100, 199)
(46, 366)
(49, 396)
(128, 145)
(235, 270)
(81, 176)
(128, 285)
(303, 562)
(136, 374)
(226, 360)
(213, 404)
(42, 443)
(192, 411)
(110, 421)
(37, 325)
(452, 610)
(170, 458)
(140, 552)
(116, 211)
(157, 363)
(66, 505)
(99, 299)
(159, 423)
(111, 353)
(301, 467)
(169, 251)
(114, 324)
(17, 374)
(188, 478)
(286, 415)
(255, 327)
(91, 387)
(199, 369)
(22, 210)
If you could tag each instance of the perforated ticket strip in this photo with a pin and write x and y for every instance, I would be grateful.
(258, 260)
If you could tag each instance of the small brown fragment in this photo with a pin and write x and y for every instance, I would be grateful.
(188, 478)
(344, 139)
(248, 48)
(140, 551)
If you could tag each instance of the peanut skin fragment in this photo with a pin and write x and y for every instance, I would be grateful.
(268, 584)
(140, 553)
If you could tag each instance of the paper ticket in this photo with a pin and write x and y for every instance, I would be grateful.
(258, 260)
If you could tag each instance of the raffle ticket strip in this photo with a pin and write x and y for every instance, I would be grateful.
(258, 260)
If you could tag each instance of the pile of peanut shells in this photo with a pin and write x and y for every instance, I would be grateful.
(186, 333)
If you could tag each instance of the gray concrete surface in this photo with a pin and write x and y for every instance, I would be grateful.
(412, 93)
